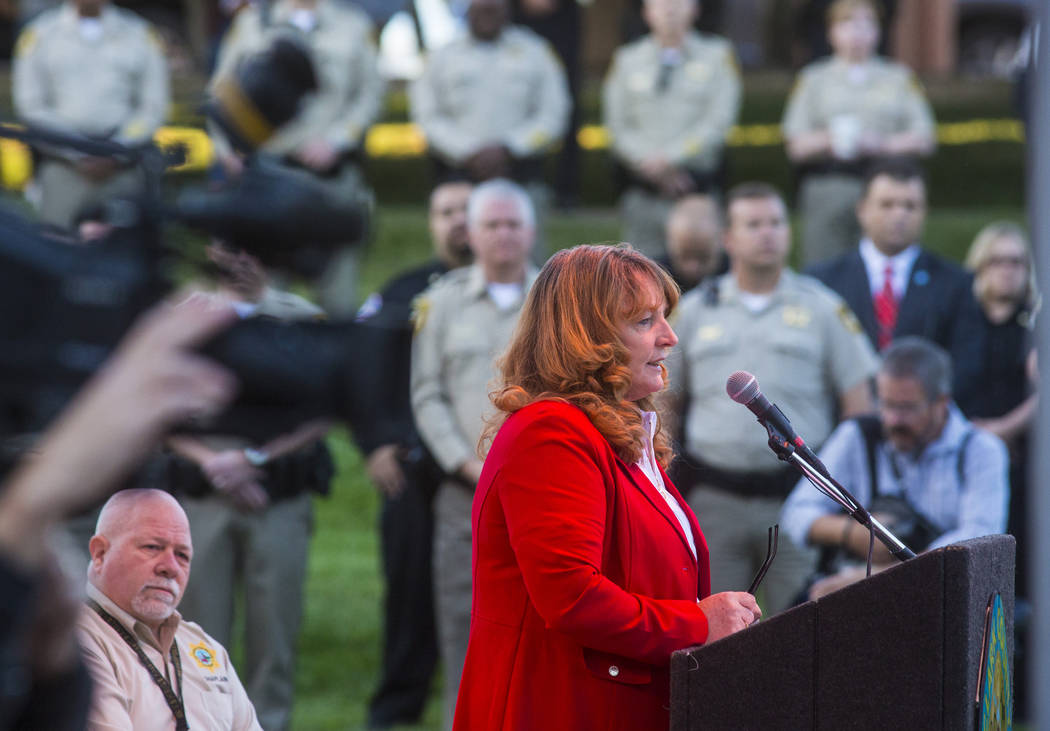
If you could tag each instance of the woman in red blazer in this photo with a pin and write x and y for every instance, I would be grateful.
(589, 568)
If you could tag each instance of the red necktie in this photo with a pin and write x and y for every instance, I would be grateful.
(886, 307)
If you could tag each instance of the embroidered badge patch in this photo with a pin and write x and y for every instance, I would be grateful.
(204, 655)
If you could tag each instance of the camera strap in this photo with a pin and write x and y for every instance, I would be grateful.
(178, 709)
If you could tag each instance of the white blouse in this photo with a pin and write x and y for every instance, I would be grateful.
(649, 466)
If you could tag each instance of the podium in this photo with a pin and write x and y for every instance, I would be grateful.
(901, 649)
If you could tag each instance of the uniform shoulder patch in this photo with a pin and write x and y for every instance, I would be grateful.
(420, 311)
(849, 320)
(154, 38)
(26, 42)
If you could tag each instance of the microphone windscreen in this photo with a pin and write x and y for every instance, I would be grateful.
(742, 387)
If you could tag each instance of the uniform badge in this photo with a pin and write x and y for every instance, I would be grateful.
(204, 655)
(710, 332)
(697, 71)
(420, 310)
(796, 316)
(849, 320)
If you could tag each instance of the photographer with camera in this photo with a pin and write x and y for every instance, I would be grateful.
(249, 502)
(154, 381)
(920, 467)
(95, 70)
(325, 139)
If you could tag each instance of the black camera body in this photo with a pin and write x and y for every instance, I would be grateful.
(69, 302)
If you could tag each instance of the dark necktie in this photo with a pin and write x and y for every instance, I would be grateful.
(664, 79)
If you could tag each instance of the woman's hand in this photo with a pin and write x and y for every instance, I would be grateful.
(728, 612)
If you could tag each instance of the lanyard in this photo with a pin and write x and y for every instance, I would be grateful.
(174, 701)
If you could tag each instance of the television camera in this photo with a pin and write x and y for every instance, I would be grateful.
(67, 303)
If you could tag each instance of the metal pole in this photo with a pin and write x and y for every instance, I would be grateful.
(1038, 489)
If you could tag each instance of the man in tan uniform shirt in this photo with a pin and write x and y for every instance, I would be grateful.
(249, 500)
(140, 563)
(810, 356)
(91, 69)
(846, 110)
(464, 321)
(668, 102)
(326, 137)
(494, 100)
(492, 103)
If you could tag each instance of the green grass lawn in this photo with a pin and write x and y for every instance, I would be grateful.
(339, 645)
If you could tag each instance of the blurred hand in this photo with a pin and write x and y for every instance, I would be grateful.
(729, 612)
(319, 155)
(539, 8)
(471, 471)
(248, 497)
(808, 145)
(385, 471)
(232, 164)
(858, 538)
(676, 183)
(234, 476)
(654, 169)
(837, 581)
(153, 381)
(96, 168)
(872, 144)
(492, 161)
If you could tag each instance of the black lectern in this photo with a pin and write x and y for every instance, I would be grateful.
(903, 649)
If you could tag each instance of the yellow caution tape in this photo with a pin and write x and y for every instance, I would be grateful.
(406, 140)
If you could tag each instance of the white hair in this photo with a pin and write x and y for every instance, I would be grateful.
(499, 189)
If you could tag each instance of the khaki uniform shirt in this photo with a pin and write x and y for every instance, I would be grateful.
(806, 349)
(511, 91)
(112, 86)
(460, 334)
(125, 696)
(686, 121)
(350, 88)
(885, 97)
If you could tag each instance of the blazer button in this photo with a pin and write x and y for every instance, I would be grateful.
(614, 671)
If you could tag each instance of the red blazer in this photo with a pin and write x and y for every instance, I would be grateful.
(584, 584)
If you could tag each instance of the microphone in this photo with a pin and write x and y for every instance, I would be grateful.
(743, 388)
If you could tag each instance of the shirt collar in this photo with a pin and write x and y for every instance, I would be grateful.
(952, 434)
(729, 289)
(477, 285)
(282, 13)
(875, 263)
(138, 628)
(70, 16)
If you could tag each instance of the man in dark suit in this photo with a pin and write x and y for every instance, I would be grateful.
(897, 288)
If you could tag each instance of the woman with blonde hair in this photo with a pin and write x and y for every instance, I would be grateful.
(589, 567)
(1004, 285)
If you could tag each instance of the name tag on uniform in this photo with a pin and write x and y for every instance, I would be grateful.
(638, 81)
(710, 332)
(796, 316)
(697, 71)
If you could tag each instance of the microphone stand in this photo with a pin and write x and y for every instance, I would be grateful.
(818, 475)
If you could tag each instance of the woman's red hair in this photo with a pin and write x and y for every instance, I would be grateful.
(567, 345)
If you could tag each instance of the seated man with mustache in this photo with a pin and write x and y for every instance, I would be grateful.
(151, 670)
(932, 477)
